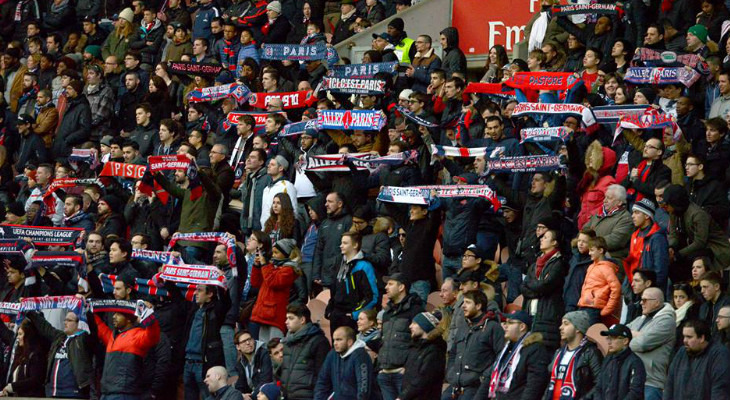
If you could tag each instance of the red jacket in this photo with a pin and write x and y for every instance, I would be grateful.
(275, 284)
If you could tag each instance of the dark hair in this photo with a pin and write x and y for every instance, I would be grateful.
(97, 233)
(375, 56)
(701, 328)
(265, 241)
(494, 118)
(712, 277)
(261, 154)
(278, 118)
(204, 41)
(599, 242)
(718, 123)
(286, 220)
(77, 200)
(248, 120)
(300, 310)
(173, 126)
(458, 82)
(240, 333)
(440, 72)
(271, 344)
(31, 343)
(124, 246)
(130, 143)
(401, 145)
(478, 297)
(145, 238)
(658, 27)
(647, 275)
(598, 53)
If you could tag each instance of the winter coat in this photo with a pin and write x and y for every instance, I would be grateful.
(417, 261)
(342, 30)
(211, 343)
(327, 252)
(355, 288)
(673, 157)
(157, 367)
(424, 369)
(252, 190)
(601, 289)
(32, 151)
(75, 127)
(587, 368)
(201, 25)
(461, 223)
(553, 33)
(701, 234)
(346, 377)
(454, 59)
(175, 50)
(708, 311)
(80, 220)
(616, 229)
(594, 184)
(156, 35)
(125, 352)
(376, 248)
(622, 377)
(116, 45)
(603, 42)
(101, 102)
(46, 123)
(147, 137)
(59, 19)
(423, 65)
(79, 353)
(544, 298)
(228, 393)
(710, 195)
(304, 355)
(277, 31)
(578, 264)
(261, 370)
(530, 375)
(396, 335)
(274, 283)
(682, 14)
(653, 254)
(654, 345)
(700, 376)
(657, 172)
(475, 349)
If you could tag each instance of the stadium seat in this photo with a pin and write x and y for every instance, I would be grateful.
(594, 335)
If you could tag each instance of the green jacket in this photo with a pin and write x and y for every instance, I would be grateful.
(116, 46)
(700, 232)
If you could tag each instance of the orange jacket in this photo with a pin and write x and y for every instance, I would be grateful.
(601, 288)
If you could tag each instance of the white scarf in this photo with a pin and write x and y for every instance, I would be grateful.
(681, 312)
(537, 34)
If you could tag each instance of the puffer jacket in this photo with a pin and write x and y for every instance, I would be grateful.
(396, 335)
(454, 59)
(544, 298)
(425, 367)
(654, 345)
(622, 377)
(304, 355)
(600, 162)
(274, 283)
(462, 221)
(587, 369)
(355, 288)
(475, 349)
(346, 377)
(601, 288)
(156, 35)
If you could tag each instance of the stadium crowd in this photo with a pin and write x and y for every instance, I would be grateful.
(202, 199)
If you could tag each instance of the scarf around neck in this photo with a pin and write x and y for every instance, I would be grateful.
(542, 261)
(567, 387)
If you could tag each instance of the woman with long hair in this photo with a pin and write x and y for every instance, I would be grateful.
(28, 370)
(282, 222)
(496, 60)
(159, 97)
(117, 43)
(174, 87)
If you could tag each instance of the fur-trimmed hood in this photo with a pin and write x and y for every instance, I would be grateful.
(532, 338)
(599, 160)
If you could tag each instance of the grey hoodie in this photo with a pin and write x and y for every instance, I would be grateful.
(654, 344)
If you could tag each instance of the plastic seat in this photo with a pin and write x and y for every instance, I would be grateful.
(594, 335)
(324, 296)
(435, 300)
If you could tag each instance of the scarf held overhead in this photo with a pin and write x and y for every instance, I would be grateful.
(42, 235)
(557, 133)
(653, 58)
(542, 80)
(147, 287)
(661, 76)
(478, 191)
(525, 164)
(292, 52)
(290, 100)
(207, 94)
(651, 119)
(217, 237)
(190, 68)
(359, 120)
(574, 9)
(297, 128)
(160, 257)
(363, 71)
(353, 86)
(195, 274)
(123, 170)
(588, 119)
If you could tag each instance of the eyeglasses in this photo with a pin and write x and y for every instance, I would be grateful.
(401, 235)
(541, 227)
(244, 341)
(723, 316)
(643, 300)
(468, 256)
(648, 146)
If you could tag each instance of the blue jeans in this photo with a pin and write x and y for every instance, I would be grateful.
(652, 393)
(390, 385)
(229, 349)
(421, 289)
(450, 266)
(193, 381)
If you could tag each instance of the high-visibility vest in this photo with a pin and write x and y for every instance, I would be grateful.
(402, 50)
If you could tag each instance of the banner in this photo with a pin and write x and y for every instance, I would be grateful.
(147, 287)
(294, 52)
(239, 92)
(588, 119)
(290, 100)
(543, 81)
(360, 120)
(450, 151)
(653, 58)
(404, 195)
(573, 9)
(297, 128)
(363, 71)
(524, 164)
(545, 134)
(190, 68)
(160, 257)
(661, 76)
(610, 115)
(195, 274)
(353, 86)
(216, 237)
(123, 170)
(42, 235)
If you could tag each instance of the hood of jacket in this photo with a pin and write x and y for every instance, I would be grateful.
(308, 330)
(600, 159)
(317, 205)
(359, 344)
(452, 37)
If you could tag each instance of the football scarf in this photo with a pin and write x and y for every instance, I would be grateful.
(573, 9)
(404, 195)
(353, 86)
(610, 115)
(88, 156)
(238, 92)
(216, 237)
(190, 68)
(552, 134)
(194, 274)
(336, 162)
(363, 71)
(565, 382)
(49, 200)
(12, 246)
(359, 120)
(291, 100)
(651, 119)
(297, 128)
(137, 308)
(43, 235)
(661, 76)
(493, 89)
(502, 373)
(655, 58)
(588, 119)
(294, 52)
(259, 118)
(559, 81)
(451, 151)
(71, 303)
(123, 170)
(147, 287)
(159, 257)
(415, 118)
(478, 191)
(167, 163)
(8, 308)
(525, 164)
(65, 259)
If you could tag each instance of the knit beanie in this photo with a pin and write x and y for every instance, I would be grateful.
(271, 391)
(94, 50)
(285, 246)
(78, 87)
(579, 319)
(127, 14)
(113, 202)
(398, 24)
(677, 197)
(649, 93)
(427, 321)
(645, 206)
(699, 31)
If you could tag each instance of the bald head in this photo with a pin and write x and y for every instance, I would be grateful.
(652, 299)
(216, 378)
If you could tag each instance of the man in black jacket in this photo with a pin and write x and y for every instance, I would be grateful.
(424, 368)
(577, 364)
(622, 372)
(648, 171)
(327, 254)
(75, 126)
(69, 369)
(706, 192)
(398, 315)
(305, 349)
(32, 149)
(254, 368)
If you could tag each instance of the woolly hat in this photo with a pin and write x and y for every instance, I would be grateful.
(427, 321)
(397, 23)
(94, 50)
(579, 319)
(282, 162)
(127, 14)
(274, 6)
(77, 86)
(106, 140)
(271, 391)
(649, 93)
(313, 133)
(405, 94)
(677, 197)
(645, 206)
(285, 246)
(113, 202)
(699, 31)
(25, 119)
(16, 209)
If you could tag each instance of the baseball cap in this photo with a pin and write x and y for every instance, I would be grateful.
(384, 36)
(521, 316)
(398, 277)
(618, 330)
(25, 119)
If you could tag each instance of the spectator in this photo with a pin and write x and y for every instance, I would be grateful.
(649, 244)
(276, 169)
(74, 216)
(75, 126)
(600, 296)
(622, 373)
(207, 11)
(723, 323)
(706, 192)
(32, 149)
(254, 367)
(579, 264)
(27, 369)
(118, 41)
(454, 59)
(347, 370)
(613, 222)
(425, 364)
(216, 379)
(277, 28)
(715, 299)
(329, 237)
